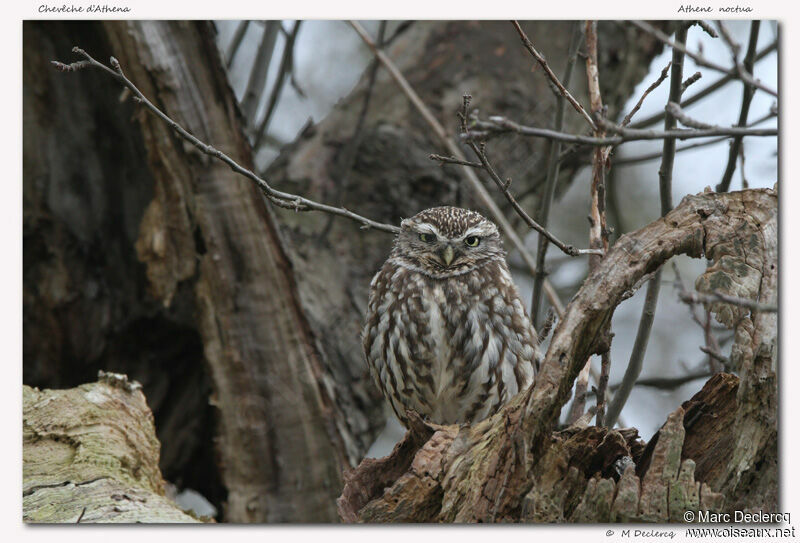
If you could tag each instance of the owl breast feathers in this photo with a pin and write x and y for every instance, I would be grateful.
(446, 332)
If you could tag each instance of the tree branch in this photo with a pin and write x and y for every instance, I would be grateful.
(747, 98)
(258, 73)
(504, 185)
(700, 60)
(279, 198)
(699, 95)
(236, 42)
(561, 90)
(496, 125)
(284, 68)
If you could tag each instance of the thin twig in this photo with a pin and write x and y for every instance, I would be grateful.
(747, 98)
(634, 368)
(500, 125)
(717, 296)
(668, 383)
(627, 120)
(480, 152)
(691, 80)
(700, 60)
(677, 113)
(258, 75)
(277, 87)
(279, 198)
(657, 154)
(543, 63)
(553, 166)
(699, 95)
(722, 359)
(454, 150)
(454, 160)
(238, 36)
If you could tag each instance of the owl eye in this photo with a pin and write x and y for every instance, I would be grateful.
(427, 238)
(472, 241)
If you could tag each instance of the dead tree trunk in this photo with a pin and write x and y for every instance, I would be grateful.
(717, 452)
(207, 242)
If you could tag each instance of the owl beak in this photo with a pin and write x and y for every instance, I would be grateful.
(447, 255)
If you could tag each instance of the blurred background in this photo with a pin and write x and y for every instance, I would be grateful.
(242, 320)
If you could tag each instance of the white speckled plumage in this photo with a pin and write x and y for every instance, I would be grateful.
(450, 340)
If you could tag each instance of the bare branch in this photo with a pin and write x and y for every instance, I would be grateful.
(543, 63)
(454, 160)
(747, 97)
(699, 95)
(480, 152)
(691, 80)
(626, 121)
(605, 368)
(707, 28)
(674, 111)
(277, 88)
(668, 383)
(258, 74)
(700, 60)
(500, 125)
(717, 296)
(279, 198)
(598, 230)
(236, 42)
(651, 156)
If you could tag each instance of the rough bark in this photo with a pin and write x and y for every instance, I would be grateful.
(90, 454)
(717, 452)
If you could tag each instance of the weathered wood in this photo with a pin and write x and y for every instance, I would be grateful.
(90, 454)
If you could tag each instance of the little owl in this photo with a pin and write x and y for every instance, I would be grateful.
(446, 333)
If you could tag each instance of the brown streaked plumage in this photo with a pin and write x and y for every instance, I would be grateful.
(446, 333)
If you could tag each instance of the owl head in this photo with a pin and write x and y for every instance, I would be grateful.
(447, 241)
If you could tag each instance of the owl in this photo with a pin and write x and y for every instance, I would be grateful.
(446, 332)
